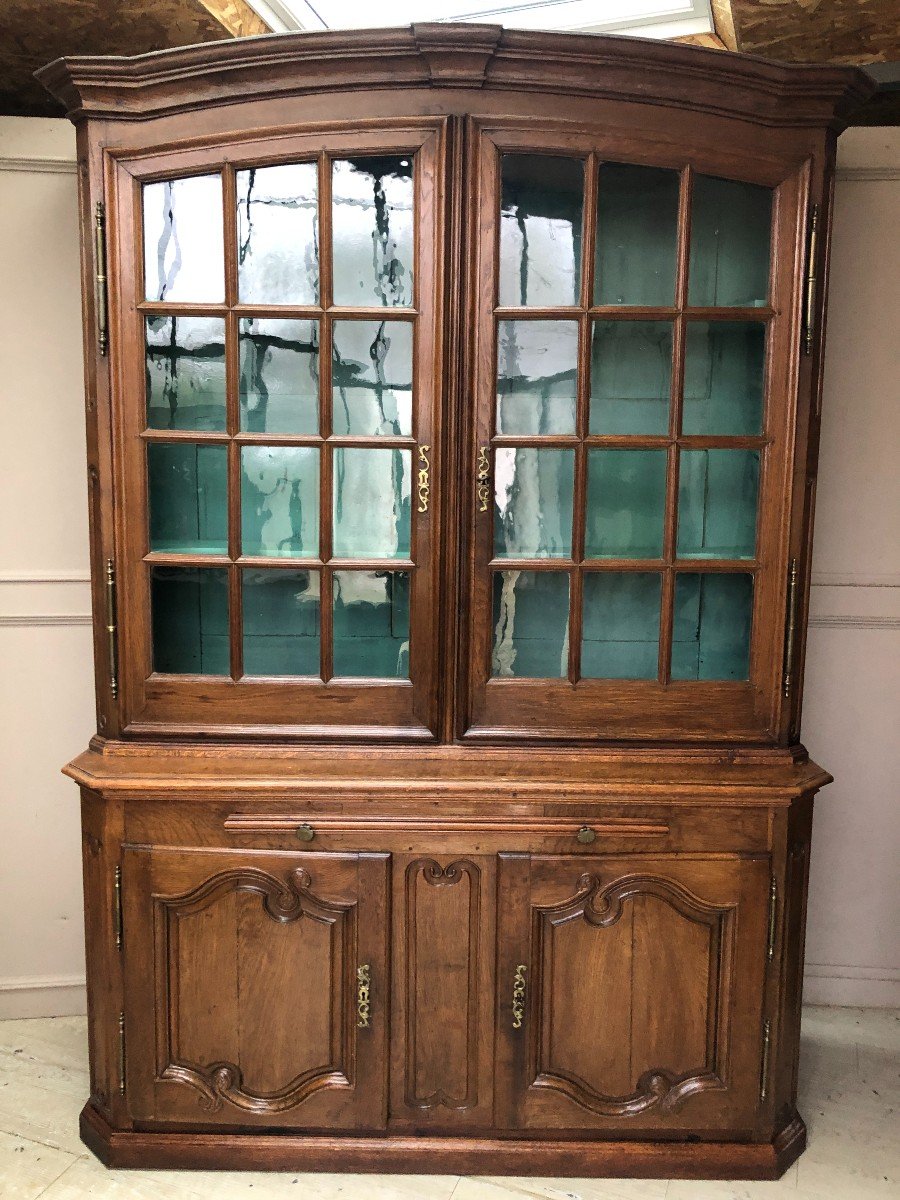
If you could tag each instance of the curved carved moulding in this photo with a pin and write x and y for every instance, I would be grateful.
(450, 876)
(602, 907)
(284, 900)
(224, 1081)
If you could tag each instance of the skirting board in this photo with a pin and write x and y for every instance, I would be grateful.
(42, 996)
(838, 987)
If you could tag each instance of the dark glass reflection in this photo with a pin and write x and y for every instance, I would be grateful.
(540, 229)
(189, 618)
(279, 384)
(185, 368)
(188, 498)
(373, 231)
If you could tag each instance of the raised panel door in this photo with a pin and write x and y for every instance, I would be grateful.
(243, 977)
(630, 992)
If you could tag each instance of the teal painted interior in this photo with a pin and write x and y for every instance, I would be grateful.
(723, 378)
(631, 377)
(711, 630)
(188, 497)
(533, 492)
(280, 501)
(717, 501)
(637, 235)
(281, 622)
(540, 230)
(371, 624)
(731, 228)
(531, 624)
(620, 626)
(189, 617)
(626, 502)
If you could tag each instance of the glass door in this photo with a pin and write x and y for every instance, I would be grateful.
(628, 443)
(280, 435)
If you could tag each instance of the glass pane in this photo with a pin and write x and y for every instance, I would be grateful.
(533, 495)
(278, 234)
(531, 624)
(280, 501)
(185, 373)
(620, 638)
(279, 385)
(730, 230)
(189, 608)
(717, 491)
(372, 219)
(540, 229)
(626, 503)
(711, 630)
(637, 234)
(537, 369)
(281, 622)
(723, 377)
(183, 246)
(371, 373)
(631, 376)
(188, 496)
(371, 503)
(371, 624)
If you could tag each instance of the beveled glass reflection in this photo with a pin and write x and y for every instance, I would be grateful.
(183, 243)
(626, 503)
(279, 376)
(631, 377)
(371, 503)
(540, 229)
(531, 624)
(187, 486)
(711, 628)
(723, 378)
(533, 499)
(371, 378)
(731, 226)
(185, 373)
(537, 370)
(278, 234)
(280, 501)
(281, 622)
(189, 620)
(373, 231)
(717, 496)
(620, 625)
(637, 235)
(371, 624)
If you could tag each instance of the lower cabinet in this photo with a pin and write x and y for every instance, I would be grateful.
(529, 991)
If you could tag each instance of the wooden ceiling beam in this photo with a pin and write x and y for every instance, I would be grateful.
(236, 16)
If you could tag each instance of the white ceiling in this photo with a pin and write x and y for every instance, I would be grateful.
(646, 18)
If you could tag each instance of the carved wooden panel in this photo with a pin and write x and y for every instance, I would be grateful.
(632, 1011)
(243, 986)
(444, 950)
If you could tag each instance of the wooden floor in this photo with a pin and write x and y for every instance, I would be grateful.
(850, 1099)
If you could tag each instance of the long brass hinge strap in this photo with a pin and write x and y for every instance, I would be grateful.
(764, 1068)
(790, 633)
(117, 906)
(122, 1053)
(773, 918)
(112, 627)
(100, 288)
(811, 289)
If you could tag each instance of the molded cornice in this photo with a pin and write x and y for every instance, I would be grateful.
(457, 56)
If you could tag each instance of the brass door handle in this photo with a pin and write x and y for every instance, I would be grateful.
(518, 1000)
(363, 993)
(484, 472)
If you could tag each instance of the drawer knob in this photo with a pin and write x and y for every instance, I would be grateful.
(305, 833)
(586, 835)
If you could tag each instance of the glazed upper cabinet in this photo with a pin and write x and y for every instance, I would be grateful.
(457, 425)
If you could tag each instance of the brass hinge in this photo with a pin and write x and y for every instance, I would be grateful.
(790, 632)
(809, 299)
(117, 906)
(121, 1054)
(773, 918)
(111, 627)
(764, 1068)
(518, 1000)
(100, 291)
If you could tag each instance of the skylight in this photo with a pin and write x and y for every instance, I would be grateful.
(645, 18)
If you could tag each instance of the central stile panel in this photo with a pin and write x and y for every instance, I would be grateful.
(621, 433)
(289, 342)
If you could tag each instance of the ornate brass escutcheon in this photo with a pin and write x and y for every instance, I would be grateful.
(363, 984)
(484, 471)
(518, 1000)
(424, 488)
